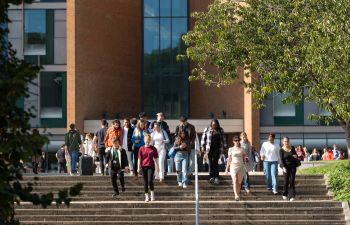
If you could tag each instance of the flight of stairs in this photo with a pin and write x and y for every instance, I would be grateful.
(175, 205)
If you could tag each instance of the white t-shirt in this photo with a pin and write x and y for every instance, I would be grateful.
(125, 138)
(271, 151)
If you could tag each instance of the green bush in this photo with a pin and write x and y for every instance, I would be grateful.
(339, 181)
(338, 173)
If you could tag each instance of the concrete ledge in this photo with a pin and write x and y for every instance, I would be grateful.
(346, 212)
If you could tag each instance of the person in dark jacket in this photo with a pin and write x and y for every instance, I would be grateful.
(213, 144)
(100, 144)
(73, 145)
(127, 142)
(117, 161)
(288, 157)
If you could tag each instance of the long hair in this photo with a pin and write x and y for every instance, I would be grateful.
(138, 128)
(217, 122)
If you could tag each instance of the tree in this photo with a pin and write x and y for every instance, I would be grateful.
(17, 142)
(295, 47)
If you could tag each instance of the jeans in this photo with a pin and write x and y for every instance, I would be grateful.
(148, 175)
(289, 181)
(114, 175)
(129, 155)
(246, 181)
(271, 175)
(213, 159)
(102, 157)
(181, 165)
(170, 165)
(73, 161)
(191, 163)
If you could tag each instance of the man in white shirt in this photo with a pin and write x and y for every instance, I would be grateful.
(270, 155)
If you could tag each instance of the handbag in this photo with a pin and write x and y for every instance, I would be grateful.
(172, 152)
(298, 163)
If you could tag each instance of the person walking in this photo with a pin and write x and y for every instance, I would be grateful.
(99, 140)
(270, 155)
(248, 164)
(213, 144)
(36, 154)
(236, 156)
(73, 145)
(181, 146)
(117, 161)
(191, 139)
(138, 141)
(143, 116)
(148, 163)
(315, 155)
(127, 142)
(289, 159)
(61, 160)
(159, 139)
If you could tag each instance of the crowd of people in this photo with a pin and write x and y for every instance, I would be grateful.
(140, 148)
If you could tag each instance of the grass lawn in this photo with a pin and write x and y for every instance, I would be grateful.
(338, 173)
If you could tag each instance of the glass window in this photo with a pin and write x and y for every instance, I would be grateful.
(39, 36)
(165, 81)
(51, 95)
(165, 8)
(35, 32)
(179, 8)
(151, 8)
(280, 109)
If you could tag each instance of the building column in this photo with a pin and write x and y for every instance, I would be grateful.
(251, 117)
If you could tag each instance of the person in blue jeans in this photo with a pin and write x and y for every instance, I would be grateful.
(270, 155)
(181, 146)
(248, 163)
(73, 144)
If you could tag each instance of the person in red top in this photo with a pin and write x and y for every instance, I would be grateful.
(114, 131)
(148, 162)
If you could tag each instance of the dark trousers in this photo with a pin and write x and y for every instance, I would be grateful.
(148, 175)
(289, 182)
(62, 167)
(114, 175)
(213, 159)
(102, 157)
(135, 158)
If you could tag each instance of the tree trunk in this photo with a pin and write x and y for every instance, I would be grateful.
(347, 136)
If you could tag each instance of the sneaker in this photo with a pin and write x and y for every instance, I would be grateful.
(161, 180)
(146, 197)
(275, 192)
(237, 198)
(216, 181)
(247, 190)
(131, 173)
(211, 180)
(184, 186)
(123, 189)
(291, 199)
(284, 197)
(180, 184)
(115, 194)
(152, 196)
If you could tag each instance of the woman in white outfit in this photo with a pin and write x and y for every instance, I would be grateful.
(159, 138)
(236, 155)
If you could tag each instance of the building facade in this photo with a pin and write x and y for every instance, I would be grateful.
(115, 58)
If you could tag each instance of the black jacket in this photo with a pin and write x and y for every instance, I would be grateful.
(123, 160)
(130, 132)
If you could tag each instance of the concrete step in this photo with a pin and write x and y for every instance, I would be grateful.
(138, 211)
(191, 222)
(280, 204)
(184, 216)
(190, 192)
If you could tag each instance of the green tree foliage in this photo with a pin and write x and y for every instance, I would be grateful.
(297, 47)
(17, 142)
